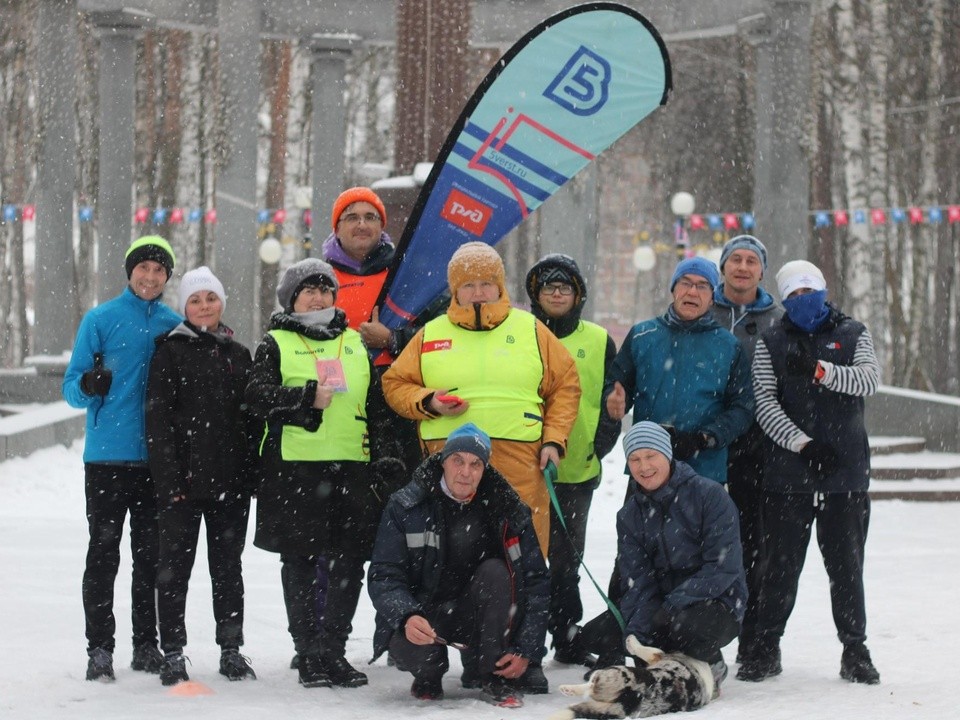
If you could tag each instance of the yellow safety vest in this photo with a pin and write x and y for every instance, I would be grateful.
(498, 371)
(343, 433)
(588, 346)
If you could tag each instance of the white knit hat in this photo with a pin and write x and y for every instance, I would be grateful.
(798, 274)
(197, 280)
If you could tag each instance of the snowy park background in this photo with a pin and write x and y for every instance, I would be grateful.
(912, 578)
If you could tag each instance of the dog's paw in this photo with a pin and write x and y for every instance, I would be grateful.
(565, 714)
(649, 655)
(575, 690)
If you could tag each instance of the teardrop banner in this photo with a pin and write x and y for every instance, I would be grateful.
(559, 97)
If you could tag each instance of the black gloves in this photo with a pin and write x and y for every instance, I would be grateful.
(820, 456)
(98, 380)
(801, 363)
(687, 444)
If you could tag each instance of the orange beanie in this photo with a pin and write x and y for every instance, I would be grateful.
(475, 261)
(357, 194)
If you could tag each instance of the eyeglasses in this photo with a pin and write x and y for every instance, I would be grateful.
(686, 285)
(354, 218)
(554, 288)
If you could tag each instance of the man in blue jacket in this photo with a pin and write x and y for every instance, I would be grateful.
(457, 562)
(687, 373)
(107, 375)
(678, 549)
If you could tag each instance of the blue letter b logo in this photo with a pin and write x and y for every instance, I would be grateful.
(581, 86)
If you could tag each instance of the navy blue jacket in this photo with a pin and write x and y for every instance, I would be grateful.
(693, 375)
(677, 546)
(409, 553)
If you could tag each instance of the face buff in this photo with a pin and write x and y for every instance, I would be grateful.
(808, 311)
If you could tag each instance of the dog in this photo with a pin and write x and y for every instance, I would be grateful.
(670, 682)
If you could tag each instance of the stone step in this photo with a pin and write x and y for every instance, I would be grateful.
(887, 445)
(915, 465)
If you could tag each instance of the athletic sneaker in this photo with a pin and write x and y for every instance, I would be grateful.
(146, 658)
(533, 681)
(762, 662)
(173, 669)
(342, 673)
(235, 666)
(100, 665)
(502, 693)
(427, 688)
(312, 672)
(856, 665)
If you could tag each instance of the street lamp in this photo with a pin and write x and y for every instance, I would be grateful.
(682, 206)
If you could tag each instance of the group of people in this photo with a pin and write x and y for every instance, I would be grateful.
(459, 457)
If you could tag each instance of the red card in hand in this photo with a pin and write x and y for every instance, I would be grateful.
(450, 399)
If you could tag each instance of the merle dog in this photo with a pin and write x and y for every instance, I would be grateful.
(670, 682)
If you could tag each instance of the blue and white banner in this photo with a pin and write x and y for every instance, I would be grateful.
(559, 97)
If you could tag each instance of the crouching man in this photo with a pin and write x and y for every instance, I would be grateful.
(457, 562)
(679, 554)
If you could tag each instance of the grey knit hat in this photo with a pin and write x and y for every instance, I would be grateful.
(744, 242)
(647, 434)
(311, 271)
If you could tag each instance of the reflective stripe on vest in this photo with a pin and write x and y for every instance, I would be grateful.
(357, 295)
(498, 371)
(343, 433)
(588, 346)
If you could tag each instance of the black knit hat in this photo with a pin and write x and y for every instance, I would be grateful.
(556, 267)
(150, 247)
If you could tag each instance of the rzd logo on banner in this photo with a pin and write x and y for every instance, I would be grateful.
(581, 87)
(465, 212)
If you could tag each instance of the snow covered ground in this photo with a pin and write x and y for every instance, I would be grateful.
(912, 576)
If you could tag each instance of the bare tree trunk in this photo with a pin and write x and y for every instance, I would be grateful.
(18, 153)
(278, 60)
(88, 169)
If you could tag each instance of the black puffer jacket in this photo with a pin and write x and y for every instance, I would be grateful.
(404, 578)
(200, 438)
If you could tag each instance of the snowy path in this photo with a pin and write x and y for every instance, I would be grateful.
(913, 582)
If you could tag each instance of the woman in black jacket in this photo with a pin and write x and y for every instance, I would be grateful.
(320, 499)
(201, 453)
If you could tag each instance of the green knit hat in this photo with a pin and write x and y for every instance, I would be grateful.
(150, 247)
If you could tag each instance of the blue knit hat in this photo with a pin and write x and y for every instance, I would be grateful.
(697, 266)
(467, 438)
(744, 242)
(647, 434)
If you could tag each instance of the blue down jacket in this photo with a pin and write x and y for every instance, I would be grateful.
(677, 546)
(693, 375)
(409, 554)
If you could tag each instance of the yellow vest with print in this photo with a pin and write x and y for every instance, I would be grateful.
(343, 433)
(588, 346)
(497, 371)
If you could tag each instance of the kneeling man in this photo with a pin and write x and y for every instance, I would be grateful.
(457, 562)
(679, 554)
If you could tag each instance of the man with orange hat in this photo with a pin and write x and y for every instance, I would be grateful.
(500, 368)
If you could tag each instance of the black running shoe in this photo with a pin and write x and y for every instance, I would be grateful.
(100, 665)
(146, 658)
(235, 666)
(856, 665)
(173, 669)
(342, 673)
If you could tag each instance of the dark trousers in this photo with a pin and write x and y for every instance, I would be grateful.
(745, 485)
(321, 592)
(566, 550)
(842, 520)
(479, 618)
(111, 492)
(226, 524)
(698, 630)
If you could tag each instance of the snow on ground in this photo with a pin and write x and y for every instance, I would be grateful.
(913, 557)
